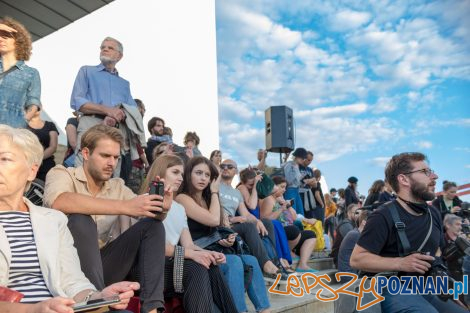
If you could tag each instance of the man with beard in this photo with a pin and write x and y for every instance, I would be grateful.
(99, 209)
(379, 249)
(97, 92)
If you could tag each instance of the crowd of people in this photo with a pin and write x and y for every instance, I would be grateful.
(105, 229)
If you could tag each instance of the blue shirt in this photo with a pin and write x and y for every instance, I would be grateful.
(19, 89)
(96, 85)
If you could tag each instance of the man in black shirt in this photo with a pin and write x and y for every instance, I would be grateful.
(378, 249)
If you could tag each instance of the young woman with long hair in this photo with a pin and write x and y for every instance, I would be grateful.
(200, 198)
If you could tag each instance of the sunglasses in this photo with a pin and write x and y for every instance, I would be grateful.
(227, 166)
(5, 34)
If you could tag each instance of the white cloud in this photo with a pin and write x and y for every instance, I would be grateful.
(424, 144)
(233, 108)
(334, 111)
(380, 161)
(385, 105)
(348, 20)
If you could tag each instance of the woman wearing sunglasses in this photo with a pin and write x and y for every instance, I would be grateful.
(20, 85)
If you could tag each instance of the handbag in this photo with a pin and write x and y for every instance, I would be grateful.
(317, 228)
(265, 186)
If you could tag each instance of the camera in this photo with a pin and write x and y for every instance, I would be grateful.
(465, 211)
(157, 188)
(439, 269)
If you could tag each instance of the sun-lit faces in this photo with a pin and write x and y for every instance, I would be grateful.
(200, 176)
(174, 177)
(450, 193)
(101, 163)
(14, 169)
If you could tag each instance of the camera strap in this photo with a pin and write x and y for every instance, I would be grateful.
(400, 227)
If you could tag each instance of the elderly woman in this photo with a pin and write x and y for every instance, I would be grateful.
(39, 238)
(20, 88)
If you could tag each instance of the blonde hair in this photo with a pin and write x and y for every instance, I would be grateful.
(158, 168)
(93, 134)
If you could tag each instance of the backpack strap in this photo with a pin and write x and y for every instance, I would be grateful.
(400, 227)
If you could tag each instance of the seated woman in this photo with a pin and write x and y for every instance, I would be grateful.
(199, 196)
(48, 135)
(203, 282)
(39, 238)
(247, 187)
(302, 242)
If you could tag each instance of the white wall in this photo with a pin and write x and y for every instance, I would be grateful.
(169, 59)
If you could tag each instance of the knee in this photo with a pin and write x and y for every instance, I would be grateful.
(82, 224)
(153, 227)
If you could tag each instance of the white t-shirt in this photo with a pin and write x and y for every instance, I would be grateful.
(175, 222)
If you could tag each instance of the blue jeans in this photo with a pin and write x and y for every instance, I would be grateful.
(233, 272)
(418, 304)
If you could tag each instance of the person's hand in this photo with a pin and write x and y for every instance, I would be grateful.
(229, 241)
(7, 28)
(53, 305)
(215, 184)
(258, 178)
(261, 229)
(219, 257)
(115, 113)
(109, 121)
(455, 209)
(205, 258)
(415, 262)
(189, 152)
(144, 206)
(125, 290)
(310, 221)
(238, 219)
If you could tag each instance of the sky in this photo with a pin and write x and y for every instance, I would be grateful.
(365, 79)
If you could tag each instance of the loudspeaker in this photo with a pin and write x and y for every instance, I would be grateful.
(279, 126)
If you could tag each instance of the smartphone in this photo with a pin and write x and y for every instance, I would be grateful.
(157, 188)
(96, 303)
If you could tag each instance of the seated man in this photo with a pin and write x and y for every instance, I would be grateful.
(38, 259)
(378, 249)
(99, 208)
(347, 246)
(346, 225)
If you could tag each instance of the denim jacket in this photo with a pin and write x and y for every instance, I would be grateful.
(19, 89)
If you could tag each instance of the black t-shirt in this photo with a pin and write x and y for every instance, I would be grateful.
(380, 236)
(318, 188)
(45, 139)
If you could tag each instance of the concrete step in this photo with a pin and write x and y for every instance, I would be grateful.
(320, 263)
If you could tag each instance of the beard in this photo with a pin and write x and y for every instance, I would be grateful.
(420, 191)
(107, 60)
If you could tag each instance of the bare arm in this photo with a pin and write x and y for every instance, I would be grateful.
(201, 215)
(251, 200)
(49, 151)
(71, 132)
(138, 206)
(366, 261)
(266, 209)
(243, 211)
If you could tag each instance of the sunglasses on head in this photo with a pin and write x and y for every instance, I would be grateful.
(227, 166)
(5, 34)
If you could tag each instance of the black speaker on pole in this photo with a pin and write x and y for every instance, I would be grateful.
(279, 126)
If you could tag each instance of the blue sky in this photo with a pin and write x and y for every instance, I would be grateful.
(366, 80)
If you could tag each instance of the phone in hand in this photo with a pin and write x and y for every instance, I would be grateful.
(157, 188)
(96, 303)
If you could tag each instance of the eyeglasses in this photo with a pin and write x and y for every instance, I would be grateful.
(427, 171)
(357, 212)
(227, 166)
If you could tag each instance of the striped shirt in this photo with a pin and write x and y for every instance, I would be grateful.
(25, 275)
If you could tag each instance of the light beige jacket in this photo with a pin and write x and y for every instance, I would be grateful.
(58, 258)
